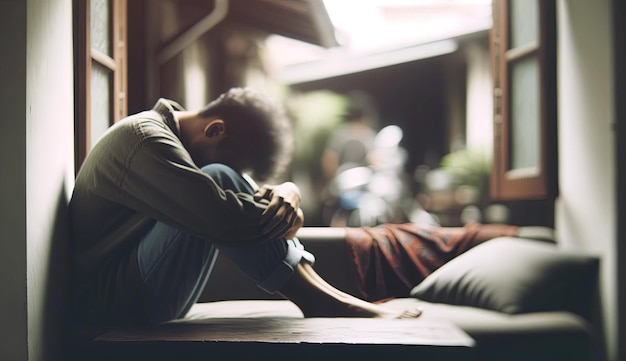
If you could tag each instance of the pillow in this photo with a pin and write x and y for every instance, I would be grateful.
(514, 275)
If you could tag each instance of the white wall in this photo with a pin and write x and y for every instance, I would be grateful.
(36, 156)
(49, 169)
(586, 209)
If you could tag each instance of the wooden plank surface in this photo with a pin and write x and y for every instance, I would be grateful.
(353, 331)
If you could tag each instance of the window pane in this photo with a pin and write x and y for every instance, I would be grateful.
(524, 113)
(100, 101)
(524, 19)
(100, 25)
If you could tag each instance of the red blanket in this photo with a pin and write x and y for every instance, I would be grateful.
(391, 259)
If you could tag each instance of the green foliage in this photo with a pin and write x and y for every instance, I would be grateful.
(316, 114)
(472, 167)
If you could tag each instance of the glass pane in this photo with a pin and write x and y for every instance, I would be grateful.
(525, 114)
(100, 101)
(524, 20)
(100, 28)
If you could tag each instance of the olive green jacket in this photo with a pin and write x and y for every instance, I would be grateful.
(139, 172)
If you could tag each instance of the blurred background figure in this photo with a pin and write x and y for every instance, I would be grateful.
(345, 162)
(387, 160)
(364, 169)
(351, 142)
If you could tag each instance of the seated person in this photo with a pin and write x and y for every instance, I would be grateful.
(163, 191)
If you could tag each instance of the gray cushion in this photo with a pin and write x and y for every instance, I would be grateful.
(514, 275)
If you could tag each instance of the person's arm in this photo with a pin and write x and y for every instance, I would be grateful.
(163, 182)
(283, 217)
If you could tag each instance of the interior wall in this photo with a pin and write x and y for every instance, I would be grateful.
(586, 208)
(49, 170)
(13, 343)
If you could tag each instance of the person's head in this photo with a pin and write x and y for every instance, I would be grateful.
(245, 130)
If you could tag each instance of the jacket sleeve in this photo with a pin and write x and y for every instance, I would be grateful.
(162, 181)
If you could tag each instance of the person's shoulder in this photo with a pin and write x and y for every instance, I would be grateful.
(147, 117)
(144, 124)
(133, 131)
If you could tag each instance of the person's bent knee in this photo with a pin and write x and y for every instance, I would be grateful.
(227, 178)
(219, 169)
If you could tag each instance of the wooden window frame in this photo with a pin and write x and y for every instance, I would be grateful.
(117, 64)
(508, 185)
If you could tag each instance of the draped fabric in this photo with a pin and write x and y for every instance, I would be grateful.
(390, 259)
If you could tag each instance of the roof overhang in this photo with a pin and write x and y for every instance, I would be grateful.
(342, 61)
(304, 20)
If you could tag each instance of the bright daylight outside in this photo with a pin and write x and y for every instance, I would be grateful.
(414, 74)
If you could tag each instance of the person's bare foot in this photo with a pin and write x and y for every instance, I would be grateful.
(359, 308)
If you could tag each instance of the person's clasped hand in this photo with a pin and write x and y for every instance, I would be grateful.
(283, 216)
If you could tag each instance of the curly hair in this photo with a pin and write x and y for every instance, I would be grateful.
(259, 135)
